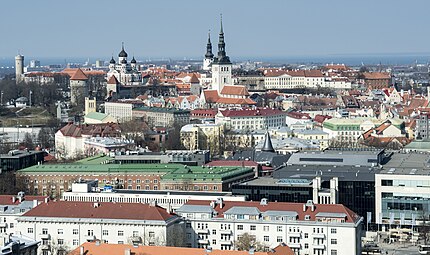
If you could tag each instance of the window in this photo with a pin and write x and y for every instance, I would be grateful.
(213, 231)
(188, 236)
(120, 233)
(266, 228)
(138, 181)
(60, 231)
(306, 246)
(120, 242)
(75, 231)
(266, 238)
(105, 232)
(333, 241)
(155, 181)
(151, 234)
(279, 239)
(60, 241)
(188, 224)
(11, 225)
(333, 252)
(306, 235)
(213, 241)
(333, 231)
(135, 233)
(279, 228)
(90, 232)
(239, 227)
(75, 242)
(30, 230)
(253, 227)
(44, 231)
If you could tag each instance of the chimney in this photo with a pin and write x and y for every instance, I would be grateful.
(81, 250)
(304, 207)
(208, 250)
(220, 201)
(20, 199)
(96, 204)
(169, 208)
(127, 252)
(97, 242)
(153, 203)
(46, 199)
(35, 203)
(13, 199)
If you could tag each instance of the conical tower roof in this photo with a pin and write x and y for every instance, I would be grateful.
(267, 147)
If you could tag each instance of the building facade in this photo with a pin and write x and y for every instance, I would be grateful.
(305, 227)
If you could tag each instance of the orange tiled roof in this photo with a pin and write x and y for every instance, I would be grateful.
(113, 80)
(79, 75)
(376, 76)
(234, 90)
(118, 249)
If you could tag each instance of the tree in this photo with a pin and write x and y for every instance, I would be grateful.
(45, 138)
(246, 241)
(424, 228)
(28, 141)
(55, 248)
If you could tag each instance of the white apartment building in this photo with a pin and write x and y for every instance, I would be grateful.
(306, 228)
(122, 112)
(69, 224)
(12, 206)
(251, 119)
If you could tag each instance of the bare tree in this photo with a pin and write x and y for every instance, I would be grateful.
(246, 241)
(57, 248)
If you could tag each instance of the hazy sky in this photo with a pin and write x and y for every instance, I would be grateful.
(269, 28)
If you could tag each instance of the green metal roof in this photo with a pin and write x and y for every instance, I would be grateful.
(95, 160)
(170, 172)
(96, 116)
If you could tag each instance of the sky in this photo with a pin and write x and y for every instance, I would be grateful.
(178, 29)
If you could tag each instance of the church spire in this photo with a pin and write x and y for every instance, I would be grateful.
(209, 53)
(222, 56)
(267, 146)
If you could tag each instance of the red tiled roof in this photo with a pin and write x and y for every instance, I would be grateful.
(376, 76)
(79, 75)
(91, 248)
(203, 113)
(194, 79)
(71, 130)
(7, 199)
(251, 112)
(104, 210)
(113, 80)
(351, 217)
(234, 90)
(321, 118)
(298, 115)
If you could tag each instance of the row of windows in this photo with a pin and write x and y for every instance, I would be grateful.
(89, 232)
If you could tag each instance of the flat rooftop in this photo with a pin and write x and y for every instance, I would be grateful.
(407, 164)
(274, 182)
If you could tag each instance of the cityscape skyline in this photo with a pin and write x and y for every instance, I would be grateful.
(317, 29)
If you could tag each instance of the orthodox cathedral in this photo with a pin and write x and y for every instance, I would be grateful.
(125, 73)
(222, 92)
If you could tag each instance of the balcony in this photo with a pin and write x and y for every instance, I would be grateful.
(136, 239)
(45, 247)
(318, 246)
(226, 242)
(318, 235)
(45, 236)
(90, 238)
(202, 241)
(225, 231)
(3, 225)
(202, 231)
(294, 245)
(295, 234)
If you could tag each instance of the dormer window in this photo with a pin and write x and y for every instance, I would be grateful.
(307, 217)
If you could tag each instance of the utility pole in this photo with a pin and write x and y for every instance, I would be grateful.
(31, 92)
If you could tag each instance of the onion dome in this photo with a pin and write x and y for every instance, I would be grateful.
(133, 61)
(112, 61)
(123, 54)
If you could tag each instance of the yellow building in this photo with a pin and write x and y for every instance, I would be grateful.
(203, 137)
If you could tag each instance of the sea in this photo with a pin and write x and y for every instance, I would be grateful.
(351, 60)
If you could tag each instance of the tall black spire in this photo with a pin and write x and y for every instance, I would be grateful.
(209, 53)
(222, 56)
(123, 54)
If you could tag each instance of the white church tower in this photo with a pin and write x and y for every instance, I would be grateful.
(209, 56)
(221, 66)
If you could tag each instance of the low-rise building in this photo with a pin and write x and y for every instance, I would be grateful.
(306, 228)
(69, 224)
(12, 206)
(402, 190)
(163, 117)
(19, 159)
(251, 119)
(17, 245)
(202, 137)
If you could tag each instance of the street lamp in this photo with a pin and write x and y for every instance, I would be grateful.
(1, 100)
(31, 92)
